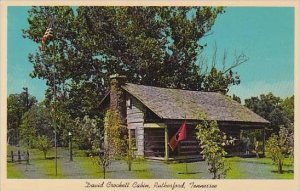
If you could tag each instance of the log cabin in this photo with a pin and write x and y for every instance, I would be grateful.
(152, 115)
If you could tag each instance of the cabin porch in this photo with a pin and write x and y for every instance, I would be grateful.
(157, 135)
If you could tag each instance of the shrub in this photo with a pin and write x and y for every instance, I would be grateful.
(44, 144)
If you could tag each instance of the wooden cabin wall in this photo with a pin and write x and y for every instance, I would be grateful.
(135, 120)
(155, 143)
(190, 146)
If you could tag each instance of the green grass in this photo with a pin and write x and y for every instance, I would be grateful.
(46, 166)
(141, 170)
(286, 175)
(234, 171)
(12, 171)
(89, 166)
(240, 168)
(270, 169)
(180, 172)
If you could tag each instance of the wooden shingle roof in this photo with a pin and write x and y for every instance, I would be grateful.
(176, 103)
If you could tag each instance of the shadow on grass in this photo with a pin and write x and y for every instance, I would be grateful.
(108, 171)
(139, 170)
(45, 159)
(50, 158)
(190, 172)
(283, 172)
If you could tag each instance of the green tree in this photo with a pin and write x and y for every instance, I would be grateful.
(27, 131)
(280, 146)
(288, 108)
(210, 139)
(157, 46)
(16, 108)
(40, 119)
(269, 107)
(44, 144)
(236, 98)
(88, 133)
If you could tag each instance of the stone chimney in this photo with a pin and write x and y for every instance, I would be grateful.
(117, 96)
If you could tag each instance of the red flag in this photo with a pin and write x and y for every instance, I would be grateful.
(179, 136)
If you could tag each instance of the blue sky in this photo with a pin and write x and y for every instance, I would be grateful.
(264, 34)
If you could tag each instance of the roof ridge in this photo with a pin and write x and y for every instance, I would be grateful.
(172, 88)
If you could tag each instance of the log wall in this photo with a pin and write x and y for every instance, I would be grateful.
(135, 121)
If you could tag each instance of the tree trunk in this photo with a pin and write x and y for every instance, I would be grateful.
(215, 173)
(45, 155)
(104, 172)
(280, 167)
(8, 139)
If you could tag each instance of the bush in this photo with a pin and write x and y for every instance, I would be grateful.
(44, 144)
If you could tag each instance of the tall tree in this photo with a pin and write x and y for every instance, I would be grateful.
(288, 107)
(37, 121)
(269, 107)
(157, 46)
(16, 108)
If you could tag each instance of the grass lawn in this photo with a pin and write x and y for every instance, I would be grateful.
(89, 166)
(234, 171)
(46, 166)
(85, 167)
(13, 172)
(141, 169)
(263, 168)
(183, 171)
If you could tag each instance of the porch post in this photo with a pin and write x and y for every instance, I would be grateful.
(264, 140)
(129, 150)
(166, 144)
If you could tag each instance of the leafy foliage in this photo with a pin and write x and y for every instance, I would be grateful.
(40, 119)
(210, 139)
(88, 133)
(44, 144)
(115, 138)
(158, 46)
(288, 108)
(27, 131)
(280, 146)
(236, 98)
(270, 107)
(16, 108)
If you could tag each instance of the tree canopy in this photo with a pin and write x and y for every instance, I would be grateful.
(158, 46)
(274, 109)
(16, 108)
